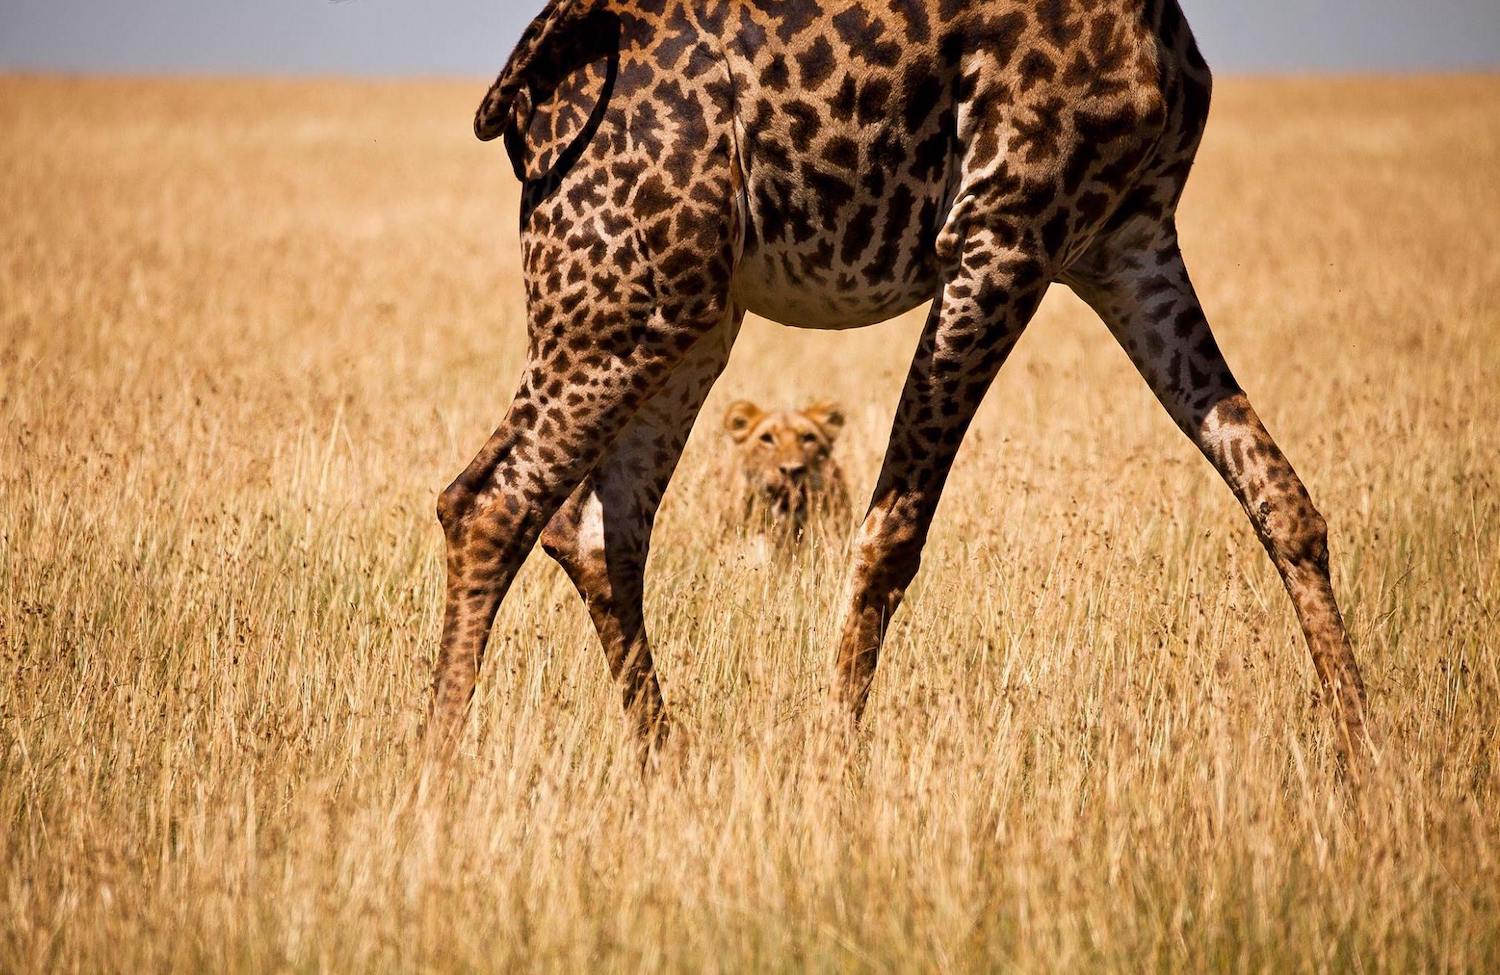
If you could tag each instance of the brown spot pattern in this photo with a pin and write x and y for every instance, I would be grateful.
(829, 166)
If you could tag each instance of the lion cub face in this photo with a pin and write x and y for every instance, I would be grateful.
(787, 461)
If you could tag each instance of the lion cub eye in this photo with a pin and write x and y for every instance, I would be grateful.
(768, 437)
(809, 438)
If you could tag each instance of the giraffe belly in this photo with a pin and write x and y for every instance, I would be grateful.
(823, 252)
(840, 210)
(769, 283)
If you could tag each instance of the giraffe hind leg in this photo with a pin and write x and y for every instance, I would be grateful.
(562, 421)
(601, 537)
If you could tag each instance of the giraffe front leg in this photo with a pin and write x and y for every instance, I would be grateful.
(1142, 291)
(972, 328)
(1295, 535)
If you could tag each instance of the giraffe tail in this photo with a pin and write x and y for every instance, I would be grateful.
(498, 107)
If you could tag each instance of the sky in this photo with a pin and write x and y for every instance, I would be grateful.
(473, 37)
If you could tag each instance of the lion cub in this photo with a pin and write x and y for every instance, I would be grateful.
(791, 482)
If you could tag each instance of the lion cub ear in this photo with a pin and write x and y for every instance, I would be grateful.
(828, 415)
(740, 418)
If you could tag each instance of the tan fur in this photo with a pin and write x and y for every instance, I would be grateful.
(790, 483)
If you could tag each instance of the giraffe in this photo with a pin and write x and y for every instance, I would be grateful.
(830, 166)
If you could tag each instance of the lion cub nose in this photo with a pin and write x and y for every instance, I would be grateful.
(794, 470)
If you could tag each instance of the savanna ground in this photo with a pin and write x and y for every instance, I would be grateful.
(251, 329)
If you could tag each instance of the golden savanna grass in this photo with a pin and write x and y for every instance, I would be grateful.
(250, 330)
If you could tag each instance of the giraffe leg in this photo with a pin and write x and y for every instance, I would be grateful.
(602, 534)
(1139, 285)
(972, 328)
(564, 416)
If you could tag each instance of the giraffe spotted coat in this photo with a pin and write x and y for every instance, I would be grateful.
(830, 165)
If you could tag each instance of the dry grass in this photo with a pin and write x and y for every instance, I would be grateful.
(247, 331)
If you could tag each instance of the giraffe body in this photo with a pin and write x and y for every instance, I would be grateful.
(860, 184)
(830, 166)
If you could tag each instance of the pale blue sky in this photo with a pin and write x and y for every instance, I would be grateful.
(472, 37)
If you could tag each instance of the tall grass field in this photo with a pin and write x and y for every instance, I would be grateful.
(248, 330)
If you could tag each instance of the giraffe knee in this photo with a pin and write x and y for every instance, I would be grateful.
(453, 507)
(560, 539)
(1292, 529)
(574, 538)
(890, 548)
